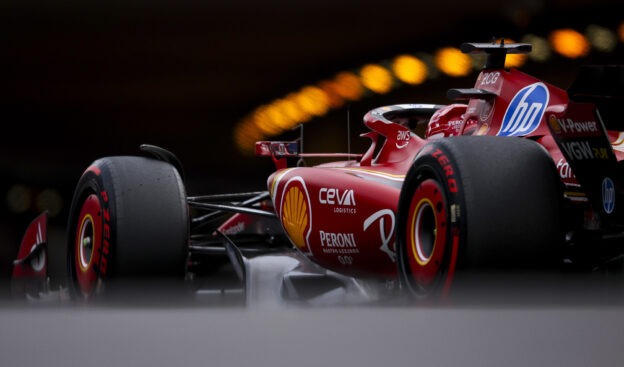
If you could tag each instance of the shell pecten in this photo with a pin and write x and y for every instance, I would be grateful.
(295, 216)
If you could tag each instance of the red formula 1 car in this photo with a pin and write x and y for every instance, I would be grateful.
(515, 174)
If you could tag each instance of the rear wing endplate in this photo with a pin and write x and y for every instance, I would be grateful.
(496, 52)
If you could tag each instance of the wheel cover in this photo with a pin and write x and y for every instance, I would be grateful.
(427, 233)
(87, 244)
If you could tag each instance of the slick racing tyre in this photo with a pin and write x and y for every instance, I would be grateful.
(476, 203)
(128, 221)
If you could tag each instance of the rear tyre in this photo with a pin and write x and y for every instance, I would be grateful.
(128, 222)
(472, 204)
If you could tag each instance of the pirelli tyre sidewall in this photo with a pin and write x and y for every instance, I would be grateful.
(425, 229)
(128, 221)
(476, 204)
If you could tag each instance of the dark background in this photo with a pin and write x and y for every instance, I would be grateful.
(85, 79)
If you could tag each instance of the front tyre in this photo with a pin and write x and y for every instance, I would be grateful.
(128, 221)
(476, 203)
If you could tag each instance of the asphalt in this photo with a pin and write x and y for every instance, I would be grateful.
(546, 323)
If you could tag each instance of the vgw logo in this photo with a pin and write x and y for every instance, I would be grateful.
(525, 111)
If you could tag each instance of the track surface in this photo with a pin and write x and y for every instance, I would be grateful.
(575, 325)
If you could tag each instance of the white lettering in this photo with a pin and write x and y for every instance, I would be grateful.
(578, 150)
(334, 196)
(569, 125)
(329, 239)
(490, 78)
(385, 236)
(403, 135)
(565, 171)
(345, 260)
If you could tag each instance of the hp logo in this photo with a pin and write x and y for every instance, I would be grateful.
(525, 111)
(608, 195)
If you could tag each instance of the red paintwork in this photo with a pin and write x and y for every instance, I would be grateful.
(426, 265)
(341, 215)
(85, 266)
(242, 223)
(35, 234)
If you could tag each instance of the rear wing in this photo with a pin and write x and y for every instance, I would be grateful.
(497, 52)
(280, 150)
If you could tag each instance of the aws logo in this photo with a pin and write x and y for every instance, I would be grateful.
(525, 111)
(296, 213)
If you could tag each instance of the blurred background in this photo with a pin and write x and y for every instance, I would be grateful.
(206, 79)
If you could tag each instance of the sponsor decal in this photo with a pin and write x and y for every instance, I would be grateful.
(296, 215)
(385, 232)
(338, 243)
(235, 229)
(335, 197)
(578, 127)
(564, 169)
(447, 168)
(403, 138)
(330, 239)
(525, 111)
(343, 210)
(582, 149)
(554, 124)
(490, 78)
(343, 201)
(455, 124)
(106, 235)
(608, 195)
(345, 260)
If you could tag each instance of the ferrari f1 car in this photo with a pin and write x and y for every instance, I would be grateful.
(514, 174)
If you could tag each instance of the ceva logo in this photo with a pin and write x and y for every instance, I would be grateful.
(525, 111)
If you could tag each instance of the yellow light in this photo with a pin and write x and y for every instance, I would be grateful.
(290, 108)
(246, 135)
(601, 38)
(376, 78)
(348, 86)
(263, 119)
(312, 100)
(409, 69)
(331, 90)
(541, 48)
(299, 107)
(453, 62)
(19, 198)
(569, 43)
(277, 116)
(513, 60)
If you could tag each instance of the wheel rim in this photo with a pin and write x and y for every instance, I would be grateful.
(427, 229)
(87, 244)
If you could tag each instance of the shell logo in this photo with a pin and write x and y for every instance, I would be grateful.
(296, 213)
(554, 124)
(295, 216)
